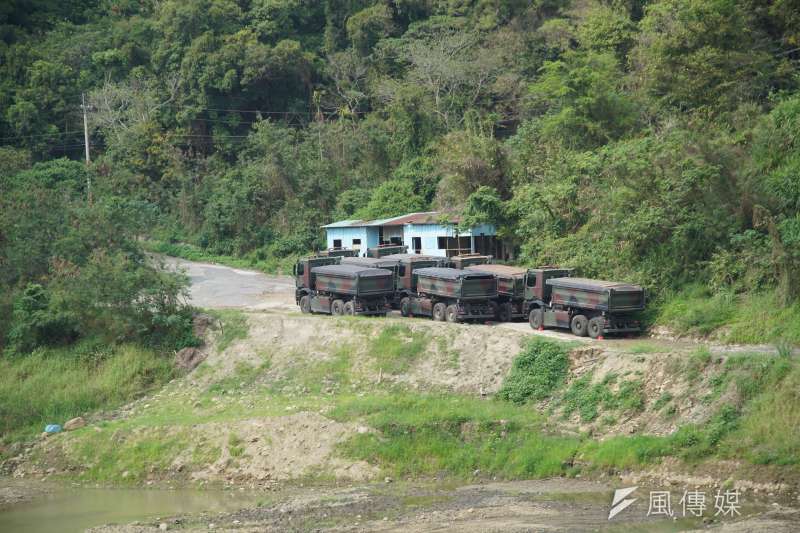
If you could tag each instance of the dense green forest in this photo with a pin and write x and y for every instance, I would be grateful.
(652, 141)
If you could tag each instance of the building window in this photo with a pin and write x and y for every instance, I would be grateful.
(337, 243)
(441, 243)
(356, 244)
(416, 244)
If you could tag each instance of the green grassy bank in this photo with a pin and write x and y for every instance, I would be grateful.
(50, 386)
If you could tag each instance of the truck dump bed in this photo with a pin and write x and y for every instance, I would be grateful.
(353, 279)
(510, 279)
(456, 283)
(371, 262)
(416, 258)
(596, 294)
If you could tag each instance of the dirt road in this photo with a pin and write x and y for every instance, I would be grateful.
(220, 287)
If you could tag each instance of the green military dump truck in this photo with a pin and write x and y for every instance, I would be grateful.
(338, 252)
(553, 298)
(342, 289)
(386, 249)
(376, 262)
(407, 266)
(452, 294)
(464, 260)
(510, 289)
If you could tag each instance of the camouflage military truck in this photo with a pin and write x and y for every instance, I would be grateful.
(406, 280)
(453, 295)
(510, 289)
(553, 298)
(338, 252)
(387, 249)
(375, 262)
(341, 289)
(465, 260)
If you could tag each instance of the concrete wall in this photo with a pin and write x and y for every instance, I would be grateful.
(367, 235)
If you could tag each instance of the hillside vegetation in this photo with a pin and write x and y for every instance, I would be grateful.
(281, 403)
(650, 141)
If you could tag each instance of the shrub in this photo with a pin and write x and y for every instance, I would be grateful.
(538, 370)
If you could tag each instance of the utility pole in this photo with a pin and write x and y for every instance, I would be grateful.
(86, 145)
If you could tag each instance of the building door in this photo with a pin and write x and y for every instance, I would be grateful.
(416, 244)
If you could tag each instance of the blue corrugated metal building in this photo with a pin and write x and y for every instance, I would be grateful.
(428, 233)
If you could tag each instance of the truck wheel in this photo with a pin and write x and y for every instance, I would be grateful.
(495, 310)
(405, 306)
(337, 307)
(579, 325)
(452, 313)
(439, 311)
(505, 312)
(595, 327)
(536, 318)
(349, 308)
(305, 304)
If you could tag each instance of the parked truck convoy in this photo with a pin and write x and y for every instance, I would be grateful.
(324, 285)
(421, 286)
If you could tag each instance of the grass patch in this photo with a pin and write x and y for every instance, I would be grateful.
(767, 432)
(746, 318)
(142, 456)
(624, 452)
(233, 326)
(644, 347)
(541, 367)
(425, 434)
(54, 385)
(587, 398)
(256, 260)
(320, 376)
(397, 347)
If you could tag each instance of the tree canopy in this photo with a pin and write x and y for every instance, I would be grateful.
(651, 141)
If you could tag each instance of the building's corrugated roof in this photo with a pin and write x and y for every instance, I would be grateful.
(591, 284)
(427, 217)
(449, 273)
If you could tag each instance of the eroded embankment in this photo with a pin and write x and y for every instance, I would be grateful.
(302, 397)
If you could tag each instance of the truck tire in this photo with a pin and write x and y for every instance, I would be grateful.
(439, 311)
(349, 308)
(452, 313)
(505, 312)
(305, 304)
(405, 306)
(595, 328)
(579, 325)
(536, 318)
(337, 307)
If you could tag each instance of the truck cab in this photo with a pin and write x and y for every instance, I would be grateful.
(536, 287)
(303, 277)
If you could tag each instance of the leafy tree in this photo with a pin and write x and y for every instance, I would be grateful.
(392, 198)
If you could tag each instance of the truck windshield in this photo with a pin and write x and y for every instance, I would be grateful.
(530, 280)
(299, 269)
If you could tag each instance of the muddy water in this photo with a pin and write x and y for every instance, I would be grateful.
(72, 510)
